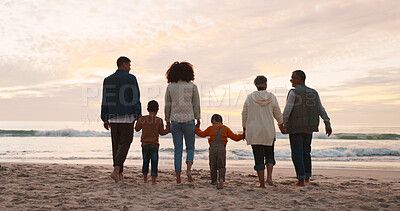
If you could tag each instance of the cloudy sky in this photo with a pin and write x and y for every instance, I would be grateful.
(55, 54)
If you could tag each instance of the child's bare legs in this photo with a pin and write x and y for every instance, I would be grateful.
(307, 180)
(189, 170)
(270, 167)
(153, 180)
(121, 176)
(178, 177)
(145, 180)
(189, 165)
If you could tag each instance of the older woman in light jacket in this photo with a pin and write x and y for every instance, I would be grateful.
(259, 111)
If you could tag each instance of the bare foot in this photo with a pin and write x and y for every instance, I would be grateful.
(262, 186)
(189, 175)
(270, 183)
(153, 180)
(300, 183)
(115, 177)
(145, 178)
(121, 176)
(307, 180)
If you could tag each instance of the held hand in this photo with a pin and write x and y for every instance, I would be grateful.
(198, 124)
(282, 128)
(168, 127)
(106, 125)
(328, 131)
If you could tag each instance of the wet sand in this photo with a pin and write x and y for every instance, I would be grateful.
(34, 186)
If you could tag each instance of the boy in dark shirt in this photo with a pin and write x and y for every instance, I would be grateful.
(151, 126)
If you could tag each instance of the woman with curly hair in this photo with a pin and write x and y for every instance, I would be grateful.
(182, 107)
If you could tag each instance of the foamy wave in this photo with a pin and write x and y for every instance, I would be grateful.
(329, 154)
(369, 136)
(92, 133)
(318, 135)
(355, 152)
(326, 153)
(349, 136)
(72, 133)
(54, 133)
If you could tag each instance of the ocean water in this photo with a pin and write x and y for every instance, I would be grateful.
(351, 146)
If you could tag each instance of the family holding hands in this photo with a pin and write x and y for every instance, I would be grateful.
(121, 107)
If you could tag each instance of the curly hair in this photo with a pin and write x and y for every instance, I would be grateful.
(180, 71)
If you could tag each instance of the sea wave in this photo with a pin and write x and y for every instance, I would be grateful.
(53, 133)
(361, 136)
(326, 153)
(349, 136)
(355, 152)
(172, 150)
(92, 133)
(334, 154)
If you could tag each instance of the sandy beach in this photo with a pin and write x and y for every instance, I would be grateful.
(34, 186)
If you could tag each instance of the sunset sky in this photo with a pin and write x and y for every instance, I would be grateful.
(54, 55)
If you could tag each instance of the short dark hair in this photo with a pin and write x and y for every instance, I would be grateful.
(300, 74)
(260, 82)
(122, 60)
(152, 106)
(180, 71)
(217, 118)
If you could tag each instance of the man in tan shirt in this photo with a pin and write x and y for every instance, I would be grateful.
(151, 126)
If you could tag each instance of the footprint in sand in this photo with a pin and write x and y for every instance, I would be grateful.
(295, 202)
(380, 200)
(384, 205)
(287, 182)
(309, 199)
